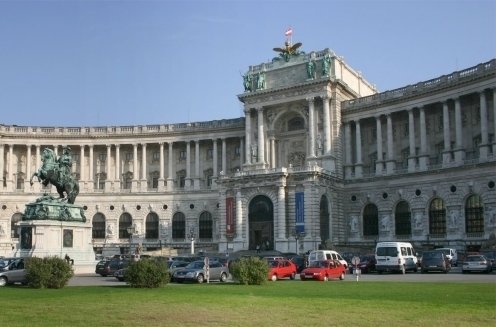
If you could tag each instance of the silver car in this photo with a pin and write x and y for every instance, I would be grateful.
(15, 273)
(477, 263)
(196, 271)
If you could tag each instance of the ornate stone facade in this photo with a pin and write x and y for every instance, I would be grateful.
(329, 154)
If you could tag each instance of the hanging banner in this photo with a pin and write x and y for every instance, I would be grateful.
(230, 216)
(300, 212)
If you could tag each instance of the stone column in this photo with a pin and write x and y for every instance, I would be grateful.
(390, 162)
(82, 176)
(239, 215)
(241, 151)
(484, 146)
(134, 185)
(108, 182)
(261, 136)
(348, 168)
(281, 213)
(197, 165)
(494, 121)
(272, 153)
(379, 165)
(359, 164)
(161, 178)
(27, 186)
(311, 126)
(424, 156)
(411, 141)
(327, 123)
(170, 176)
(248, 136)
(144, 177)
(2, 160)
(91, 179)
(215, 158)
(117, 177)
(10, 172)
(187, 183)
(446, 134)
(224, 156)
(459, 151)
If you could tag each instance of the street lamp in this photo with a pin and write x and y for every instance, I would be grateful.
(131, 230)
(297, 235)
(192, 239)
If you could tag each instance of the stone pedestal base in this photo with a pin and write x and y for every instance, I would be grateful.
(43, 238)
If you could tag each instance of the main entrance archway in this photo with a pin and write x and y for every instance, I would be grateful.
(261, 223)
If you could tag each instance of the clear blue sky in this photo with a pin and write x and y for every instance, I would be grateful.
(98, 63)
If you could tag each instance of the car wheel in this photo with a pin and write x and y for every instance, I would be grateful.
(273, 278)
(200, 279)
(326, 278)
(341, 277)
(3, 281)
(223, 277)
(292, 277)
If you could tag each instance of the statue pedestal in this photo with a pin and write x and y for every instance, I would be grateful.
(43, 238)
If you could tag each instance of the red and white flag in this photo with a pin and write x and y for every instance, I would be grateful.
(289, 31)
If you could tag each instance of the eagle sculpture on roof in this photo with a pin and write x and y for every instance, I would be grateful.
(289, 50)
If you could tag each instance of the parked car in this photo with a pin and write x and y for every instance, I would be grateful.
(109, 267)
(15, 273)
(121, 274)
(451, 254)
(281, 268)
(491, 256)
(323, 270)
(195, 271)
(174, 266)
(319, 255)
(435, 261)
(300, 262)
(5, 262)
(476, 263)
(366, 265)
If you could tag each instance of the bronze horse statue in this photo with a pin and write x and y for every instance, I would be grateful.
(57, 173)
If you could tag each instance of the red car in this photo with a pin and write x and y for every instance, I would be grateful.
(323, 270)
(281, 268)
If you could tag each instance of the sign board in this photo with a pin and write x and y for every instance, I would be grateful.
(355, 261)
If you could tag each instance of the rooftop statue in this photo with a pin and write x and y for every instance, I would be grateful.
(289, 50)
(57, 171)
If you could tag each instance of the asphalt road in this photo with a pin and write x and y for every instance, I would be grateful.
(454, 276)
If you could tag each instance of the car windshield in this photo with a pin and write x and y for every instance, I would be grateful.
(432, 255)
(387, 252)
(318, 264)
(196, 265)
(475, 258)
(273, 264)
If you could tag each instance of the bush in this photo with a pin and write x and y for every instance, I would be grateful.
(48, 272)
(147, 273)
(250, 271)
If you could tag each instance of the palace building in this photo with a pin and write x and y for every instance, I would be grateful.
(320, 159)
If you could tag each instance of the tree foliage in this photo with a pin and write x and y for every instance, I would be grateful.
(48, 272)
(250, 270)
(147, 273)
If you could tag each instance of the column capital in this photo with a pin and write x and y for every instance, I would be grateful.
(325, 97)
(117, 146)
(378, 117)
(259, 109)
(108, 145)
(310, 99)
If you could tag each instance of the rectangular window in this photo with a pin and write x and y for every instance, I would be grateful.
(182, 155)
(129, 156)
(156, 157)
(102, 157)
(237, 151)
(210, 153)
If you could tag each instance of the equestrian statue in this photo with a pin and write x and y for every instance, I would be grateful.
(57, 171)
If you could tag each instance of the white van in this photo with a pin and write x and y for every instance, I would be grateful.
(451, 254)
(395, 256)
(319, 255)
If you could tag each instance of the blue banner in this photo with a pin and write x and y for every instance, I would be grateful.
(300, 212)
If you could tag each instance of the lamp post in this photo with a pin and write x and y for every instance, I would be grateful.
(131, 230)
(297, 235)
(192, 239)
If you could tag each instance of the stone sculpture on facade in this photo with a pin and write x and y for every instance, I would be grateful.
(326, 62)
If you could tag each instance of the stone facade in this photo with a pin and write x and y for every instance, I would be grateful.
(321, 157)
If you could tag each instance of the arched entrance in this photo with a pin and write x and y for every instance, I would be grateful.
(261, 223)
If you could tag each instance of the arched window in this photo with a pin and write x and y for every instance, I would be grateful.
(205, 226)
(370, 220)
(474, 219)
(178, 226)
(13, 228)
(151, 225)
(125, 221)
(98, 224)
(437, 217)
(402, 219)
(295, 124)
